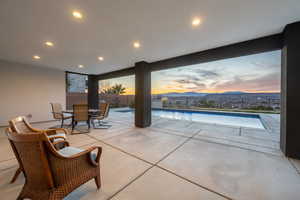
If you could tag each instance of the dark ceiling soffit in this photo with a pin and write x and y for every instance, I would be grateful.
(260, 45)
(255, 46)
(68, 72)
(115, 74)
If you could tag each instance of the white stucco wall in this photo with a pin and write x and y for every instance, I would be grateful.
(26, 89)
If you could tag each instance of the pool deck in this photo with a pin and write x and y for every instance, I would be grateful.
(243, 137)
(177, 160)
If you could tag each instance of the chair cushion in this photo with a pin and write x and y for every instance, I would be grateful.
(69, 151)
(58, 139)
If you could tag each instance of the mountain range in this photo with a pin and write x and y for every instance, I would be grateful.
(198, 94)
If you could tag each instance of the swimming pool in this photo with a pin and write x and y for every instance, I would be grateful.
(224, 118)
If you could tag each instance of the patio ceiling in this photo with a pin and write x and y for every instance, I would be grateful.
(108, 29)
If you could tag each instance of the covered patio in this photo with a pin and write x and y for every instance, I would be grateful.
(204, 160)
(54, 55)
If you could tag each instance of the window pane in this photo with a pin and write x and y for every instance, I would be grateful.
(247, 84)
(77, 88)
(119, 92)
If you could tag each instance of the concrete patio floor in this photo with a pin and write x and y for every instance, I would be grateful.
(177, 160)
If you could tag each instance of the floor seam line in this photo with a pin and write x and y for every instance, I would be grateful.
(128, 184)
(293, 165)
(184, 142)
(165, 132)
(241, 142)
(121, 150)
(190, 181)
(270, 154)
(156, 165)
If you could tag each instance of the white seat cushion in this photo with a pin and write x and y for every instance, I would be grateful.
(69, 151)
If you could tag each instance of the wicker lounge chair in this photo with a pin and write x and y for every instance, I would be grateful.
(104, 111)
(20, 125)
(81, 114)
(52, 174)
(58, 113)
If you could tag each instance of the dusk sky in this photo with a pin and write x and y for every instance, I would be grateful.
(254, 73)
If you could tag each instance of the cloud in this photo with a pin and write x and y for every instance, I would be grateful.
(269, 65)
(258, 73)
(206, 73)
(190, 84)
(269, 82)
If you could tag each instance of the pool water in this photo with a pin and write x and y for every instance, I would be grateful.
(224, 118)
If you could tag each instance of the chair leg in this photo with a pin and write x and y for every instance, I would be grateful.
(16, 175)
(62, 123)
(73, 125)
(98, 181)
(88, 122)
(93, 123)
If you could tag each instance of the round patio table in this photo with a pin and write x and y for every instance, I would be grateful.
(91, 111)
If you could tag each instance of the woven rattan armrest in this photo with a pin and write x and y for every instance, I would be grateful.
(52, 131)
(83, 153)
(58, 113)
(56, 130)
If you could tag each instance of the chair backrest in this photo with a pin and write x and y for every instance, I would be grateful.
(30, 150)
(20, 125)
(80, 112)
(57, 110)
(104, 109)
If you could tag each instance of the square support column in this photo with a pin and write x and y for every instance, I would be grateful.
(93, 94)
(290, 92)
(142, 95)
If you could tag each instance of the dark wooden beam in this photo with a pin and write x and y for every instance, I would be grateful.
(76, 73)
(290, 95)
(116, 74)
(269, 43)
(93, 94)
(142, 95)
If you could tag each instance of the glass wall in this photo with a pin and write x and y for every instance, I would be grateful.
(243, 84)
(77, 89)
(118, 92)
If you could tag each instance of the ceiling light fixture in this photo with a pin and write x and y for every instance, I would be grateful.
(80, 66)
(100, 58)
(36, 57)
(136, 45)
(77, 14)
(196, 21)
(50, 44)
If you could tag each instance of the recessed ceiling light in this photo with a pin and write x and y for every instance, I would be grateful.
(136, 45)
(100, 58)
(196, 21)
(36, 57)
(50, 44)
(77, 14)
(80, 66)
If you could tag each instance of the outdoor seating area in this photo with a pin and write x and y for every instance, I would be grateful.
(81, 113)
(153, 163)
(149, 100)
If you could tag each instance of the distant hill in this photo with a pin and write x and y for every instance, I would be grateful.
(234, 92)
(198, 94)
(184, 94)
